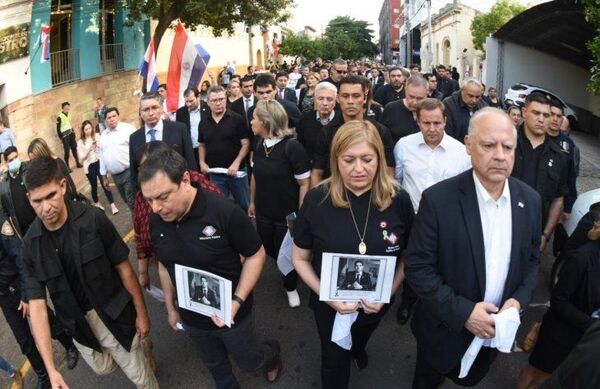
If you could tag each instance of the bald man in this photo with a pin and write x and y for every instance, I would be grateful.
(473, 251)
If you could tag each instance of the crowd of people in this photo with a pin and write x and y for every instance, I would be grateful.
(294, 164)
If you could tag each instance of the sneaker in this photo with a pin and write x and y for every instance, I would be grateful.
(274, 368)
(98, 205)
(72, 357)
(17, 380)
(293, 298)
(114, 209)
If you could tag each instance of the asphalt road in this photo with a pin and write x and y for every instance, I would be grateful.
(391, 351)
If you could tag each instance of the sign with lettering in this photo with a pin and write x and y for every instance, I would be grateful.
(14, 42)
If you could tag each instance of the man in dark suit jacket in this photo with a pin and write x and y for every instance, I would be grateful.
(283, 92)
(203, 294)
(248, 100)
(174, 134)
(358, 279)
(192, 112)
(473, 251)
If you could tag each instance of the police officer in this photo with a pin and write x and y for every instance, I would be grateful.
(64, 130)
(540, 163)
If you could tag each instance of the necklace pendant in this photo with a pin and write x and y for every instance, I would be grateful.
(362, 248)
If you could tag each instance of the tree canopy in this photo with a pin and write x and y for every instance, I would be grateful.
(344, 37)
(592, 16)
(221, 15)
(484, 25)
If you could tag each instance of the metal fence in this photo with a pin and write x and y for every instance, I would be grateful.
(65, 66)
(111, 58)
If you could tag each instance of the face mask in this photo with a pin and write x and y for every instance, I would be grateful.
(14, 166)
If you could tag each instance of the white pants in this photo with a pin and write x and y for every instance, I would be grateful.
(134, 363)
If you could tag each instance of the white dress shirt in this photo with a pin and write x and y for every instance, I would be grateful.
(496, 223)
(325, 121)
(114, 148)
(158, 135)
(194, 122)
(418, 166)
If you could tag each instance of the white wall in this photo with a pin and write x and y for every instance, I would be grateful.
(522, 64)
(12, 74)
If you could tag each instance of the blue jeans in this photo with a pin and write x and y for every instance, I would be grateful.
(215, 347)
(237, 186)
(4, 365)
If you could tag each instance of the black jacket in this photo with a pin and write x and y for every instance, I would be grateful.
(289, 95)
(183, 116)
(238, 107)
(458, 116)
(551, 178)
(445, 263)
(92, 238)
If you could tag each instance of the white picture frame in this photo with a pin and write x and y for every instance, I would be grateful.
(342, 278)
(203, 292)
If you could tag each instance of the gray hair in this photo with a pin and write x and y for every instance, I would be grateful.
(215, 89)
(473, 81)
(273, 116)
(418, 81)
(474, 122)
(340, 61)
(151, 96)
(325, 86)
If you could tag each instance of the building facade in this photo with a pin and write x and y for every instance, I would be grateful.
(391, 20)
(93, 52)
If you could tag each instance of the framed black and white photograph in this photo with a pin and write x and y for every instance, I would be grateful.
(349, 277)
(203, 292)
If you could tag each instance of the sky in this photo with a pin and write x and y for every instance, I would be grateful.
(317, 13)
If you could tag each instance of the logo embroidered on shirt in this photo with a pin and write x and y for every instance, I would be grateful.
(209, 231)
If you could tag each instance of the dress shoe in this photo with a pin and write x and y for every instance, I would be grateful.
(72, 357)
(274, 368)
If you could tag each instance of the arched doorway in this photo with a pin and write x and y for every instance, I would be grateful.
(446, 51)
(259, 59)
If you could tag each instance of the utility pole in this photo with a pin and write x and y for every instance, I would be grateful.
(430, 54)
(408, 58)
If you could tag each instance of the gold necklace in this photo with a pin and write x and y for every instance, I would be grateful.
(362, 246)
(267, 151)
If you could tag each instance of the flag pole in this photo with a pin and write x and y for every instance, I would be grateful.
(31, 61)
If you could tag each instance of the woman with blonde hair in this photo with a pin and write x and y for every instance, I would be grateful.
(307, 95)
(234, 91)
(574, 306)
(280, 179)
(360, 210)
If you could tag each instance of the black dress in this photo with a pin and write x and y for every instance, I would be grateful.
(575, 297)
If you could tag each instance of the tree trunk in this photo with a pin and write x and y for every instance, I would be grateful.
(165, 19)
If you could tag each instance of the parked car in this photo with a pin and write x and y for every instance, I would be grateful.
(517, 94)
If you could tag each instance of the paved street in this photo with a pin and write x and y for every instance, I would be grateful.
(391, 350)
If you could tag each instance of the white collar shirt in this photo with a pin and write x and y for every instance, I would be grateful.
(195, 118)
(418, 166)
(158, 135)
(496, 223)
(114, 148)
(325, 121)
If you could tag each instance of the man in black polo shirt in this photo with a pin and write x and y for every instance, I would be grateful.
(313, 121)
(339, 69)
(445, 83)
(351, 97)
(432, 91)
(392, 91)
(75, 252)
(197, 229)
(461, 105)
(224, 145)
(540, 163)
(401, 116)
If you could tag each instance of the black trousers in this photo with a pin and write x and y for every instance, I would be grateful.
(335, 361)
(9, 303)
(426, 377)
(271, 233)
(70, 143)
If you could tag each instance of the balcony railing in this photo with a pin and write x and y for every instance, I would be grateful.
(111, 58)
(65, 66)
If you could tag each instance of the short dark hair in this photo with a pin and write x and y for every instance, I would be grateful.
(247, 78)
(9, 150)
(430, 104)
(282, 74)
(164, 86)
(41, 171)
(357, 262)
(64, 104)
(557, 104)
(415, 65)
(153, 147)
(169, 162)
(441, 67)
(427, 76)
(111, 109)
(352, 80)
(536, 97)
(264, 80)
(195, 91)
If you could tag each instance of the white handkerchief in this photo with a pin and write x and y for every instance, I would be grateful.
(506, 324)
(341, 334)
(284, 259)
(222, 170)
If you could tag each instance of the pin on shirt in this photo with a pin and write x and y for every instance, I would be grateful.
(550, 162)
(521, 205)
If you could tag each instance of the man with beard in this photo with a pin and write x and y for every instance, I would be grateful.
(392, 91)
